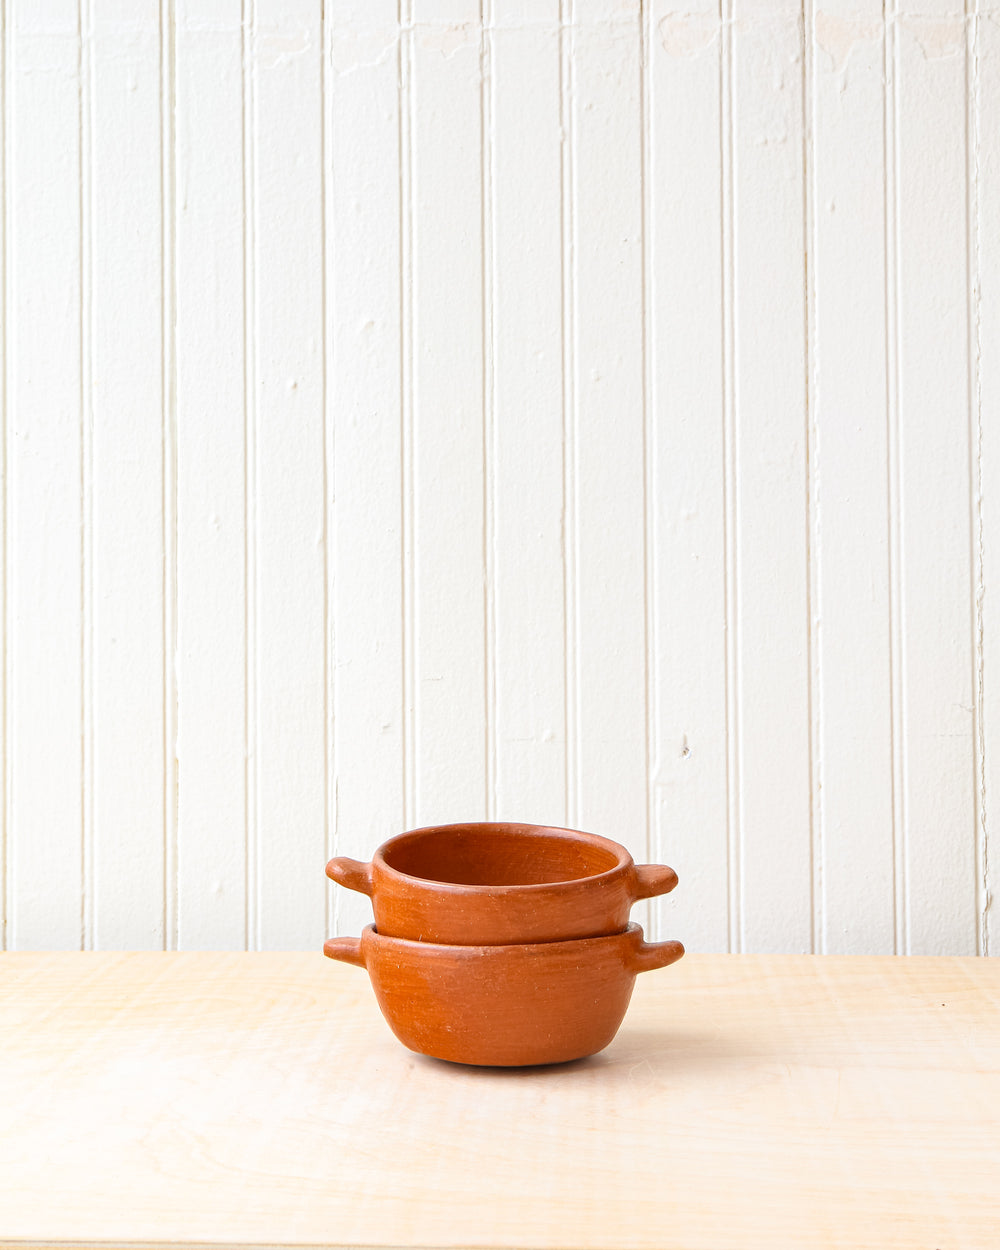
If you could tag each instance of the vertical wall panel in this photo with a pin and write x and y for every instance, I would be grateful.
(687, 503)
(984, 176)
(449, 751)
(128, 444)
(851, 475)
(934, 463)
(45, 309)
(4, 488)
(608, 465)
(364, 411)
(288, 477)
(769, 382)
(526, 408)
(211, 589)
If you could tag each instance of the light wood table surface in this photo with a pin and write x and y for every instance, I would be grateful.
(260, 1100)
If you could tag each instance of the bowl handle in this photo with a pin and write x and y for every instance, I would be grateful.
(351, 873)
(650, 955)
(346, 949)
(653, 879)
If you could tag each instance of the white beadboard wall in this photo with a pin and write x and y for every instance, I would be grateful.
(574, 411)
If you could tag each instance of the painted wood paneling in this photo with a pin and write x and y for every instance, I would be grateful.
(606, 526)
(524, 403)
(5, 145)
(573, 412)
(983, 155)
(364, 412)
(936, 586)
(850, 535)
(687, 502)
(445, 553)
(210, 411)
(770, 556)
(127, 495)
(286, 475)
(49, 331)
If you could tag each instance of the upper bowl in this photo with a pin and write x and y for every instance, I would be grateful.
(498, 883)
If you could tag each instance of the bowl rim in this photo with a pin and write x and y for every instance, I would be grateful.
(557, 833)
(632, 933)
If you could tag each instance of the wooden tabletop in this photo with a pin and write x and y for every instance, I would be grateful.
(260, 1100)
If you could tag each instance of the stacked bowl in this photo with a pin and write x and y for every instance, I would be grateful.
(503, 944)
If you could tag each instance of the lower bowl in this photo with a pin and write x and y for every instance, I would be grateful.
(505, 1006)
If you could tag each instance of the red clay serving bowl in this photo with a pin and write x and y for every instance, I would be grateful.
(505, 1006)
(496, 883)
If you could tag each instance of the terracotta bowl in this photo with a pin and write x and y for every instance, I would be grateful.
(505, 1006)
(494, 884)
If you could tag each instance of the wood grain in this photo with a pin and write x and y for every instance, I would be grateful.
(259, 1099)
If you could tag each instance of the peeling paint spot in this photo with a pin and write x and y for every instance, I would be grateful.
(353, 50)
(448, 39)
(274, 48)
(687, 34)
(839, 36)
(937, 37)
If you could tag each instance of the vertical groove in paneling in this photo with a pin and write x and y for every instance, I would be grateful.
(891, 106)
(987, 400)
(406, 375)
(487, 184)
(649, 458)
(326, 336)
(571, 718)
(973, 141)
(87, 223)
(814, 546)
(730, 454)
(251, 737)
(4, 489)
(168, 375)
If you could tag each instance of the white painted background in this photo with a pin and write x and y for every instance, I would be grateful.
(573, 411)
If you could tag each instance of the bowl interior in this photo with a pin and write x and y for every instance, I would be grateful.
(500, 855)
